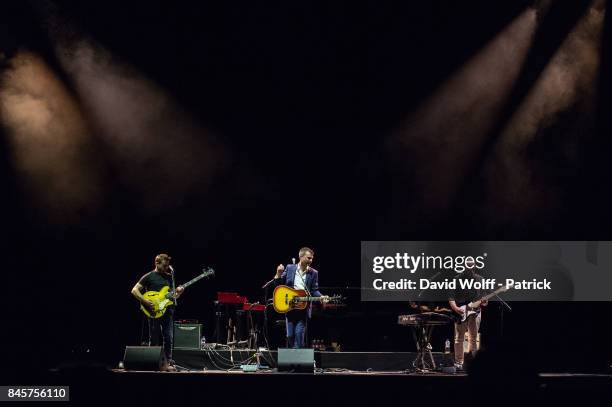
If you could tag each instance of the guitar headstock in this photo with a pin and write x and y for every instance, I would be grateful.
(335, 299)
(335, 303)
(208, 272)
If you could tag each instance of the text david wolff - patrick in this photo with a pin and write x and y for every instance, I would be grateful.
(464, 284)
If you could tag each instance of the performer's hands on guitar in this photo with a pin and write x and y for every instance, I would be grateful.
(179, 291)
(455, 308)
(149, 305)
(279, 271)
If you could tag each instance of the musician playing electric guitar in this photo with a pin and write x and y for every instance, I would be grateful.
(155, 280)
(457, 298)
(300, 277)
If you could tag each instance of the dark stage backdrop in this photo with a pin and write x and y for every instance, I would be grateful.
(305, 100)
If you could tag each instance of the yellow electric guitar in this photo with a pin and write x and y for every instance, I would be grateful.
(286, 299)
(163, 298)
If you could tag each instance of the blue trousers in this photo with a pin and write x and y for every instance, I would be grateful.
(296, 328)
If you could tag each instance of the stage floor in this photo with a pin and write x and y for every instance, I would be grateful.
(392, 382)
(232, 359)
(378, 388)
(275, 372)
(497, 386)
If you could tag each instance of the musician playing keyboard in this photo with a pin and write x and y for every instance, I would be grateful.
(457, 298)
(300, 277)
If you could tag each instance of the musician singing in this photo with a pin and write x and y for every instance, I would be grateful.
(457, 298)
(300, 277)
(155, 280)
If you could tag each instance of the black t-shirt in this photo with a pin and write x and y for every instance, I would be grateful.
(154, 281)
(466, 295)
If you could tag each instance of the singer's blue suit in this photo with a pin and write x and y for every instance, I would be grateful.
(297, 319)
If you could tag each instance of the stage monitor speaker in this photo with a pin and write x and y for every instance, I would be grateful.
(296, 360)
(187, 336)
(143, 358)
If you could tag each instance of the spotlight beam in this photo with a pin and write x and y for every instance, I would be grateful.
(550, 35)
(605, 82)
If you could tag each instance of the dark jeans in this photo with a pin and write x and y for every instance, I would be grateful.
(161, 331)
(297, 322)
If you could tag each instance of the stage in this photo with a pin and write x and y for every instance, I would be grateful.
(331, 386)
(224, 359)
(371, 378)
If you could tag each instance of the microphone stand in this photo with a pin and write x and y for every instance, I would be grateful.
(503, 302)
(266, 331)
(501, 314)
(265, 321)
(265, 302)
(253, 337)
(173, 285)
(429, 279)
(308, 313)
(268, 283)
(175, 305)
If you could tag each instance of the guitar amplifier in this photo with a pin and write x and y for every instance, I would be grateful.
(187, 336)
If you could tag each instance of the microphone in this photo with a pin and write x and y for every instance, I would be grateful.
(430, 279)
(268, 283)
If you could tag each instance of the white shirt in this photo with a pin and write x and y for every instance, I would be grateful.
(299, 282)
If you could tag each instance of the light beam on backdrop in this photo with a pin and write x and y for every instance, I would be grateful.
(161, 153)
(441, 137)
(525, 171)
(49, 142)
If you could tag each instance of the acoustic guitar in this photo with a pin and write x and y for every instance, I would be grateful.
(286, 299)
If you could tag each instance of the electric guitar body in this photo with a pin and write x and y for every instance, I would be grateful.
(163, 298)
(161, 301)
(474, 307)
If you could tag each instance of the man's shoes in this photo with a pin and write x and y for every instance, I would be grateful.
(459, 367)
(167, 367)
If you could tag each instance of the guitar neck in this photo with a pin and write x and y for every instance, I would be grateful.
(195, 280)
(302, 299)
(491, 295)
(308, 298)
